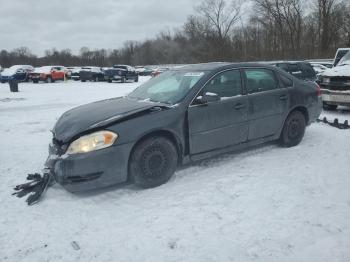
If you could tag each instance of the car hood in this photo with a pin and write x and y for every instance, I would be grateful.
(90, 117)
(342, 70)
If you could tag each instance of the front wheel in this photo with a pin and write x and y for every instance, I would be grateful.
(293, 129)
(136, 78)
(48, 79)
(153, 162)
(123, 80)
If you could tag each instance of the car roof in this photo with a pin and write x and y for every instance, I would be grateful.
(286, 61)
(219, 66)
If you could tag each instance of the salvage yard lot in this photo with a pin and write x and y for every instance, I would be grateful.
(263, 204)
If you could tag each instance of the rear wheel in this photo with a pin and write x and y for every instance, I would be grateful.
(109, 80)
(48, 79)
(123, 80)
(327, 106)
(96, 79)
(153, 162)
(136, 78)
(293, 129)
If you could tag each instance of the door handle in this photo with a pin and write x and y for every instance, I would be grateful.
(283, 97)
(238, 106)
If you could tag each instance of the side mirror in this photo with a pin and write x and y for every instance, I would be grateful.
(208, 97)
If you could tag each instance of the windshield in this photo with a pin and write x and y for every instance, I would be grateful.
(345, 60)
(169, 87)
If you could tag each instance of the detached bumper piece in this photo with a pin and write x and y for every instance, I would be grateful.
(335, 123)
(36, 187)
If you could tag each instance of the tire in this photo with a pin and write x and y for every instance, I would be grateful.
(48, 79)
(109, 81)
(136, 79)
(153, 162)
(123, 80)
(329, 106)
(96, 79)
(293, 129)
(83, 80)
(35, 81)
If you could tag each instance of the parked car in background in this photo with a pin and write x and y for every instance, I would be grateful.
(339, 55)
(122, 73)
(19, 73)
(335, 84)
(158, 71)
(299, 69)
(319, 68)
(183, 115)
(144, 71)
(75, 74)
(118, 74)
(70, 70)
(324, 62)
(48, 74)
(91, 73)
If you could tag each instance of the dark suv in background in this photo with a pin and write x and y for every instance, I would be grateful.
(299, 69)
(121, 73)
(91, 73)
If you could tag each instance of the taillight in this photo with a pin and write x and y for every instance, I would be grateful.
(318, 90)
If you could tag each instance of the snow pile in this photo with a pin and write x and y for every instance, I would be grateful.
(11, 71)
(263, 204)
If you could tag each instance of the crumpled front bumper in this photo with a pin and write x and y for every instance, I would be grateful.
(93, 170)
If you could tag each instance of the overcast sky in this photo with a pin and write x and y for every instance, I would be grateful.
(44, 24)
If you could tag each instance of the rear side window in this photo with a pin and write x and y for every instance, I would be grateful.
(226, 84)
(260, 80)
(286, 81)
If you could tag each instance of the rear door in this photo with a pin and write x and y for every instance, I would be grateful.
(222, 123)
(268, 102)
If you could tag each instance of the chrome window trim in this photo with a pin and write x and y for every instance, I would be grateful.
(220, 72)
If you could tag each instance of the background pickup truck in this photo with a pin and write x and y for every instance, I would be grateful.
(335, 84)
(121, 73)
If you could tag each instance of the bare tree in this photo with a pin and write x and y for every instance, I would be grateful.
(221, 14)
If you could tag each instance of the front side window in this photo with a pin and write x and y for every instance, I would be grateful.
(260, 80)
(170, 87)
(225, 85)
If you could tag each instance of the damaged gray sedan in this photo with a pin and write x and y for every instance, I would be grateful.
(183, 115)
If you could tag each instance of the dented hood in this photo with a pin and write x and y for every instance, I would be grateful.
(96, 115)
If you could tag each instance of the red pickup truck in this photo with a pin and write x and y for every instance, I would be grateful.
(48, 74)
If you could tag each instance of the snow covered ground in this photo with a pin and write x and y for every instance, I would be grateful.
(263, 204)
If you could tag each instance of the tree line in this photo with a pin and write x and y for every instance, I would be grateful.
(219, 30)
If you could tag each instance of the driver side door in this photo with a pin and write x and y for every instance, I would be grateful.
(222, 123)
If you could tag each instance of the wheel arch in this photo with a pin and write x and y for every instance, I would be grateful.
(168, 134)
(303, 110)
(299, 108)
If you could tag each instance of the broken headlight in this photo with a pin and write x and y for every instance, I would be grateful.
(92, 142)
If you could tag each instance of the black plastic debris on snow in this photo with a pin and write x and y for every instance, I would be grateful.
(335, 123)
(36, 187)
